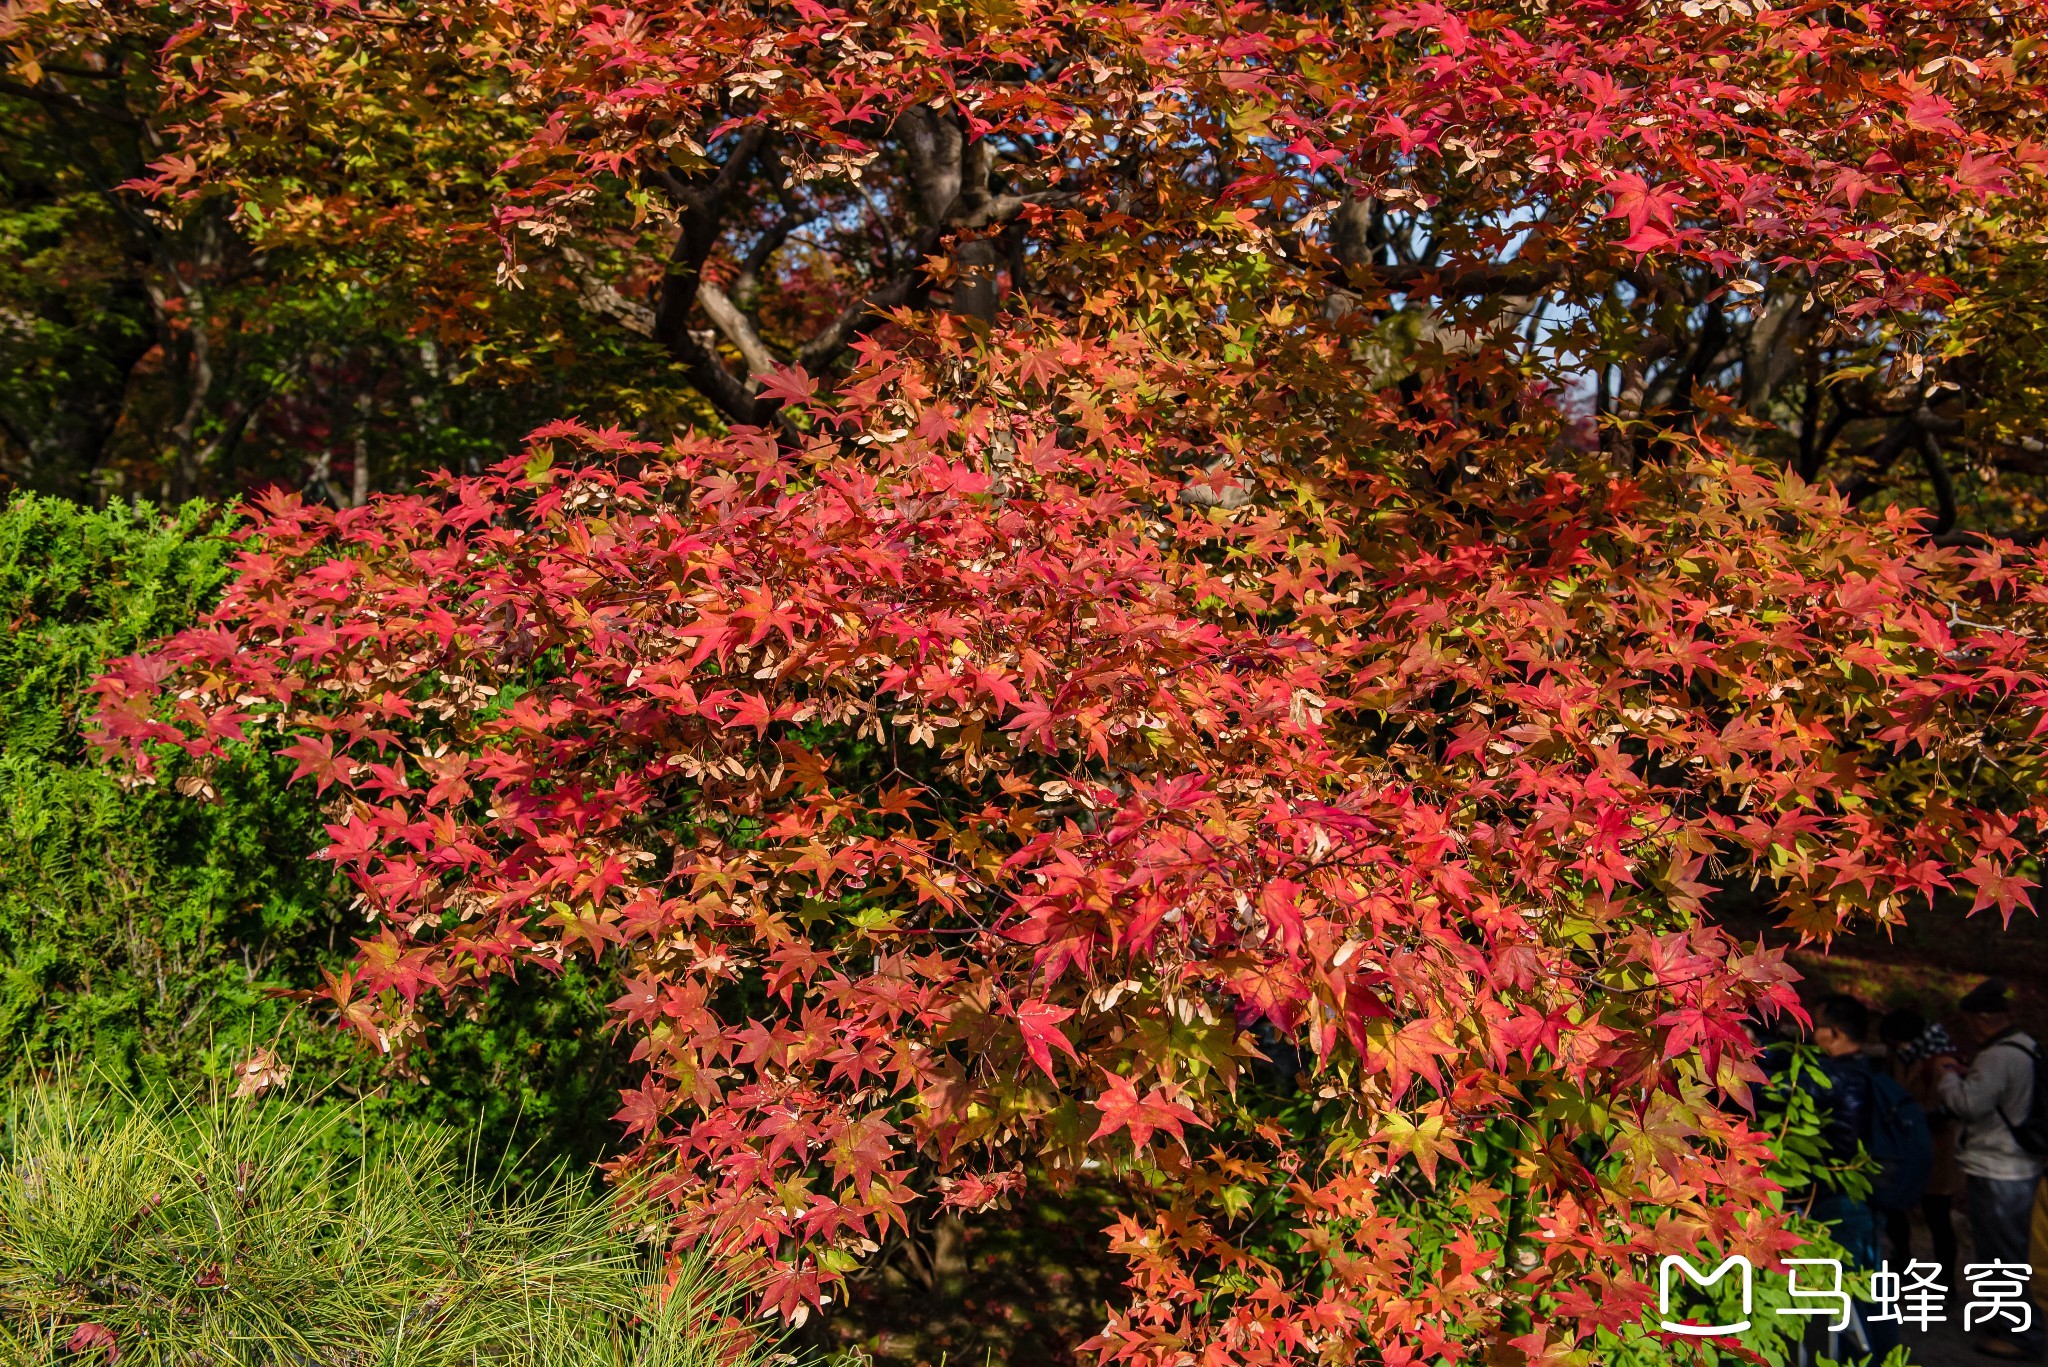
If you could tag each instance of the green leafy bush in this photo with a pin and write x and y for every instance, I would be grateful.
(266, 1231)
(146, 928)
(137, 927)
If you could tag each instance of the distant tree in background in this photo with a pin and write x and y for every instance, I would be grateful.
(210, 349)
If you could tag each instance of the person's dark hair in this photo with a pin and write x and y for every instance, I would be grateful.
(1902, 1026)
(1845, 1013)
(1988, 998)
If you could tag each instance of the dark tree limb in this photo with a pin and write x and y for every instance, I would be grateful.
(763, 251)
(64, 99)
(703, 221)
(1830, 432)
(1930, 421)
(1463, 282)
(1967, 536)
(1809, 425)
(1944, 486)
(1706, 354)
(1890, 449)
(906, 287)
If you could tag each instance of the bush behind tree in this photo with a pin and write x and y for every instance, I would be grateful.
(136, 926)
(145, 927)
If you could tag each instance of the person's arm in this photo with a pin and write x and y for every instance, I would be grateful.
(1928, 1093)
(1975, 1096)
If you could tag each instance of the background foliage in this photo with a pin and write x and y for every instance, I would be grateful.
(256, 243)
(145, 354)
(144, 928)
(137, 925)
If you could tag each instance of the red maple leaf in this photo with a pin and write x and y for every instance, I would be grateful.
(1998, 885)
(386, 962)
(1650, 210)
(1123, 1109)
(317, 760)
(1930, 113)
(1983, 176)
(1040, 1024)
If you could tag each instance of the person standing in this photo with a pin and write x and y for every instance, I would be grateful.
(1996, 1094)
(1920, 1051)
(1840, 1026)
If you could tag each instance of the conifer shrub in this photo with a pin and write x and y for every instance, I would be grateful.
(137, 927)
(261, 1230)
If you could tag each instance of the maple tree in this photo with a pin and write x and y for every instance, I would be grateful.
(1239, 534)
(314, 259)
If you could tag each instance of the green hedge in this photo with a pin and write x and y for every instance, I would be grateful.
(142, 929)
(136, 927)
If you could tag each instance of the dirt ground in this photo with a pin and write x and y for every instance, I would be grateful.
(1927, 964)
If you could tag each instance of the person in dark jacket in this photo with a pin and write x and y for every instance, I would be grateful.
(1840, 1026)
(1918, 1053)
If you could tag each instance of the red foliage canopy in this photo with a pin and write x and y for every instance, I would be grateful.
(984, 765)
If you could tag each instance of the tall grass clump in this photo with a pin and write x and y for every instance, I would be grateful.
(263, 1232)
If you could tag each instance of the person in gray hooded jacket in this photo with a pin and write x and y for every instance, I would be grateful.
(1994, 1095)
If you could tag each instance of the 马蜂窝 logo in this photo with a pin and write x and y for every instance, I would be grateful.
(1915, 1298)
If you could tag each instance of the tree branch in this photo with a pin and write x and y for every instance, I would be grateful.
(1809, 426)
(1465, 281)
(64, 99)
(1964, 536)
(703, 220)
(817, 355)
(1888, 450)
(736, 326)
(950, 178)
(11, 428)
(770, 243)
(936, 148)
(1944, 487)
(599, 296)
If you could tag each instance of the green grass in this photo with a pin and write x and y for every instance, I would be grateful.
(271, 1231)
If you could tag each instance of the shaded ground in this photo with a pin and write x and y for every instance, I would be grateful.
(1944, 1345)
(1015, 1286)
(1927, 964)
